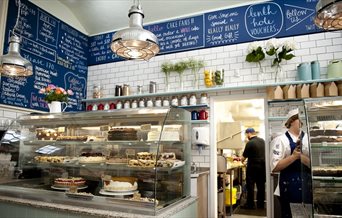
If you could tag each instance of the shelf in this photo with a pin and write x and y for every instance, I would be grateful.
(80, 143)
(199, 121)
(327, 145)
(282, 118)
(305, 99)
(209, 90)
(194, 106)
(327, 178)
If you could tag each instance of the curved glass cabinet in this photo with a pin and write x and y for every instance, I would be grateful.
(148, 146)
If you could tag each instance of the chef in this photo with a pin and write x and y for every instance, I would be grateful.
(289, 156)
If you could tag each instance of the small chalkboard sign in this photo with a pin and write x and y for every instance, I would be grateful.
(58, 53)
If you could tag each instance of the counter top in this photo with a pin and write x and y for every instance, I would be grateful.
(200, 171)
(49, 204)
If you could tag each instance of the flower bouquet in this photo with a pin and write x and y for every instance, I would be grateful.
(55, 93)
(256, 54)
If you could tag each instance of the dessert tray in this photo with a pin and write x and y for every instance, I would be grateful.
(80, 195)
(117, 193)
(67, 188)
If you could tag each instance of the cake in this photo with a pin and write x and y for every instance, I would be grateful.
(52, 159)
(122, 134)
(47, 134)
(67, 182)
(120, 184)
(116, 160)
(165, 136)
(167, 156)
(145, 156)
(72, 138)
(88, 157)
(326, 132)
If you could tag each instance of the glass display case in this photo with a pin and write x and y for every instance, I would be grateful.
(324, 125)
(132, 160)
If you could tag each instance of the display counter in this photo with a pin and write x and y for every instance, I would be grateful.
(132, 161)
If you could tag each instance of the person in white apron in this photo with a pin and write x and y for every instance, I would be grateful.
(289, 156)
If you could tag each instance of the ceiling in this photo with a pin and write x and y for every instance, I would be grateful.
(100, 16)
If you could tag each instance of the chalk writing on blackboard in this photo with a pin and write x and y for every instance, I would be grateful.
(296, 15)
(10, 91)
(264, 20)
(78, 85)
(222, 27)
(47, 29)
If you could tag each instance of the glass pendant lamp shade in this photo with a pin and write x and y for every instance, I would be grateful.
(13, 64)
(135, 43)
(329, 14)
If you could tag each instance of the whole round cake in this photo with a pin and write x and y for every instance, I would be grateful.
(122, 134)
(120, 184)
(67, 182)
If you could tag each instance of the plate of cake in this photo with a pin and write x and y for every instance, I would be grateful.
(66, 183)
(119, 184)
(122, 134)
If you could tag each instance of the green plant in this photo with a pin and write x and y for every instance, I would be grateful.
(180, 67)
(167, 67)
(55, 93)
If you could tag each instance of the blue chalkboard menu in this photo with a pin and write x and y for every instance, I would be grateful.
(279, 18)
(58, 53)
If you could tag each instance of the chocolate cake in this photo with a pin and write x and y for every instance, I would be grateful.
(122, 134)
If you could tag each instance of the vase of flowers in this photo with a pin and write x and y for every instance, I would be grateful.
(180, 67)
(255, 53)
(56, 96)
(167, 68)
(281, 51)
(195, 66)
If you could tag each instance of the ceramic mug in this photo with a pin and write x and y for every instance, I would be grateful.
(194, 115)
(203, 115)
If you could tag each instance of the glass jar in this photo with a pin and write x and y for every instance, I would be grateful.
(119, 105)
(158, 102)
(192, 99)
(204, 98)
(149, 102)
(106, 106)
(127, 104)
(126, 90)
(142, 102)
(139, 89)
(97, 91)
(174, 101)
(118, 90)
(166, 102)
(184, 100)
(134, 103)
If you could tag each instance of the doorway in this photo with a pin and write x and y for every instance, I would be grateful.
(233, 115)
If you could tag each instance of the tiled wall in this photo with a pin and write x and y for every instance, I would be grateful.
(321, 46)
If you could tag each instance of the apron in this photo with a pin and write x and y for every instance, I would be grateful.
(290, 182)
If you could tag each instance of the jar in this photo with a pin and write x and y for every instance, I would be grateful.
(193, 99)
(204, 98)
(134, 103)
(119, 105)
(94, 107)
(112, 106)
(107, 106)
(89, 107)
(100, 107)
(125, 90)
(184, 100)
(174, 101)
(166, 102)
(149, 102)
(142, 102)
(127, 104)
(153, 87)
(158, 102)
(139, 89)
(97, 91)
(118, 90)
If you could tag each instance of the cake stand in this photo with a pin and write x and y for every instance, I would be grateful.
(67, 188)
(117, 193)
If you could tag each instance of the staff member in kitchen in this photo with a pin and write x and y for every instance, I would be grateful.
(289, 153)
(256, 172)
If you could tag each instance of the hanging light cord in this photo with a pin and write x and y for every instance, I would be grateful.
(17, 21)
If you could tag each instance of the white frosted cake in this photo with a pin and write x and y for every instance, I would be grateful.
(165, 136)
(120, 184)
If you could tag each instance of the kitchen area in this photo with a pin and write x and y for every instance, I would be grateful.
(202, 72)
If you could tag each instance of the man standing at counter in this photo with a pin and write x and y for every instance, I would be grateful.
(256, 171)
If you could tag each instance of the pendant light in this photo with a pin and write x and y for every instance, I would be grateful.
(329, 14)
(135, 43)
(13, 64)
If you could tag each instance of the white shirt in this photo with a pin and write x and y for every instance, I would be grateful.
(280, 149)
